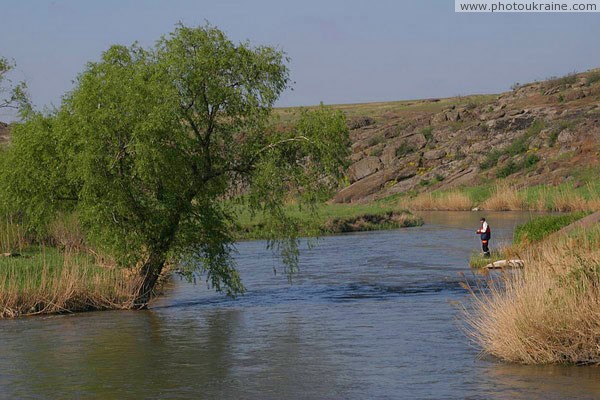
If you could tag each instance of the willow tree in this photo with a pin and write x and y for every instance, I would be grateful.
(157, 151)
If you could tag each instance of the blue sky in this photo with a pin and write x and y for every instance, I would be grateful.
(341, 51)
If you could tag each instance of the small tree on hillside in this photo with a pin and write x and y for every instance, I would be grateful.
(158, 150)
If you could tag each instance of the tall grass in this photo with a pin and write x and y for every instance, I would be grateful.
(504, 198)
(12, 237)
(548, 312)
(51, 281)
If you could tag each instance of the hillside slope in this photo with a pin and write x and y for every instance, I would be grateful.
(538, 133)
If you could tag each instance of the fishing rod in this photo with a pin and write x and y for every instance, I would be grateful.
(452, 227)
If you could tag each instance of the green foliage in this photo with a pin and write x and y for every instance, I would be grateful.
(12, 95)
(593, 78)
(478, 260)
(511, 166)
(376, 151)
(557, 130)
(538, 228)
(518, 146)
(151, 141)
(404, 149)
(428, 133)
(491, 160)
(374, 140)
(562, 81)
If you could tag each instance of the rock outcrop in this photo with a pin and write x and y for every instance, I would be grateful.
(534, 134)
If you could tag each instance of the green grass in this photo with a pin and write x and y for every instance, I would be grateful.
(26, 269)
(478, 260)
(540, 227)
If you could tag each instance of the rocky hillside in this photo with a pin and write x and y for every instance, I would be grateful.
(537, 133)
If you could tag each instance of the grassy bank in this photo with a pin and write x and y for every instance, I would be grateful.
(64, 277)
(525, 235)
(68, 277)
(548, 311)
(333, 218)
(504, 196)
(47, 280)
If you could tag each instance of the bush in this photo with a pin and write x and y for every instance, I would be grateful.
(428, 133)
(374, 140)
(491, 160)
(593, 78)
(562, 81)
(518, 146)
(404, 149)
(512, 167)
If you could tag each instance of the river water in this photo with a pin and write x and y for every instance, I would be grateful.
(369, 315)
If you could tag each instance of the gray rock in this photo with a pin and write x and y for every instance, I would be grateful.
(360, 122)
(566, 136)
(365, 167)
(434, 154)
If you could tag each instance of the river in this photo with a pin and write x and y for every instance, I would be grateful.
(368, 316)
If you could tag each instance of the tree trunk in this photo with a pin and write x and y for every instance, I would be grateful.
(150, 272)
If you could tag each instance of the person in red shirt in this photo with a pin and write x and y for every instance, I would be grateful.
(485, 233)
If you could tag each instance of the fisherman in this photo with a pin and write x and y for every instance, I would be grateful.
(486, 234)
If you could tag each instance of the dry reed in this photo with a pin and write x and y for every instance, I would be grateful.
(549, 312)
(504, 198)
(62, 283)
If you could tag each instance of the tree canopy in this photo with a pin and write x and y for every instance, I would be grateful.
(158, 150)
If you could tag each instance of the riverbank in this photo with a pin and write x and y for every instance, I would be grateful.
(578, 195)
(330, 219)
(548, 311)
(68, 277)
(46, 280)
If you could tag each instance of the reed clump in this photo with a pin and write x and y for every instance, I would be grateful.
(548, 312)
(52, 281)
(504, 197)
(450, 201)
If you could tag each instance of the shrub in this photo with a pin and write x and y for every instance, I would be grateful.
(376, 152)
(557, 130)
(428, 133)
(593, 78)
(562, 81)
(374, 140)
(512, 167)
(491, 160)
(404, 149)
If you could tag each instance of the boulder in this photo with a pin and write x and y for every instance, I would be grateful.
(434, 154)
(362, 188)
(520, 122)
(566, 136)
(453, 116)
(417, 141)
(365, 167)
(438, 118)
(360, 122)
